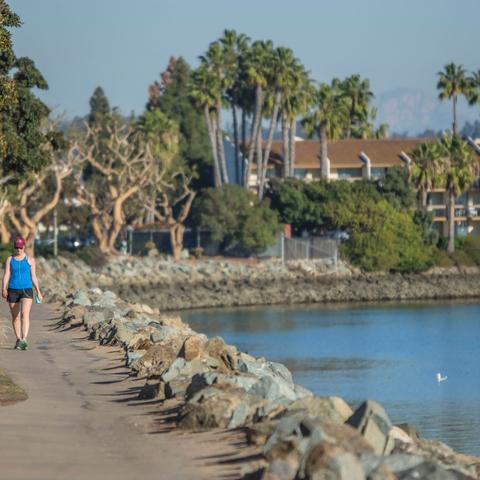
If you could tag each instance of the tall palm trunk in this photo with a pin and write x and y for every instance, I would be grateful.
(454, 101)
(451, 222)
(268, 148)
(259, 158)
(235, 141)
(286, 150)
(257, 117)
(424, 194)
(220, 146)
(244, 146)
(217, 181)
(324, 151)
(291, 145)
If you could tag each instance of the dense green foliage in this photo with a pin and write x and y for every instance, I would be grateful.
(171, 96)
(21, 112)
(382, 236)
(237, 218)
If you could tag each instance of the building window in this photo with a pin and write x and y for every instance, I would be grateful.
(378, 172)
(461, 200)
(461, 229)
(301, 172)
(435, 198)
(349, 172)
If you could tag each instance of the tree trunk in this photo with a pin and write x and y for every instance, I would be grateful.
(268, 148)
(244, 147)
(451, 222)
(454, 99)
(220, 146)
(213, 141)
(4, 233)
(257, 117)
(176, 240)
(235, 140)
(291, 145)
(286, 150)
(100, 235)
(325, 174)
(424, 194)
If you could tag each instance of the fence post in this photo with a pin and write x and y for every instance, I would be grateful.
(282, 247)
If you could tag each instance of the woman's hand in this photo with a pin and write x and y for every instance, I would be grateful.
(5, 293)
(40, 296)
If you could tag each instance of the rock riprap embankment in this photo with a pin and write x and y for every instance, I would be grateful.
(302, 435)
(211, 283)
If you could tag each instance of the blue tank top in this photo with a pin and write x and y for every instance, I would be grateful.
(20, 274)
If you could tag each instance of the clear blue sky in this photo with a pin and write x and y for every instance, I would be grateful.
(123, 45)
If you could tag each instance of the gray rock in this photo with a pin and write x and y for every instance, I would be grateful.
(203, 380)
(81, 298)
(132, 356)
(274, 389)
(334, 464)
(329, 409)
(106, 299)
(371, 420)
(221, 406)
(174, 370)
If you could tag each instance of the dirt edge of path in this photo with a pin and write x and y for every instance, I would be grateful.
(10, 392)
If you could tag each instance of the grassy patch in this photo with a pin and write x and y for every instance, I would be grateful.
(9, 391)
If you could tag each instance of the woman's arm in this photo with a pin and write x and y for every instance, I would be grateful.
(33, 274)
(6, 278)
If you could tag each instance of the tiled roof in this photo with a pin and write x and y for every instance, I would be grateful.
(345, 153)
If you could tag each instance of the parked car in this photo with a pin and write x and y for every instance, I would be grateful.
(340, 235)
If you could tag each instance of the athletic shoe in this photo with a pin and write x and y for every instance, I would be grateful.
(23, 344)
(17, 345)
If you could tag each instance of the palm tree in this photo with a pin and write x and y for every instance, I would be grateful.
(235, 47)
(452, 83)
(357, 91)
(257, 65)
(329, 117)
(221, 65)
(298, 99)
(474, 93)
(284, 68)
(426, 169)
(203, 93)
(460, 169)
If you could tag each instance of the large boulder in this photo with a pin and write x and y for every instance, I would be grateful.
(157, 358)
(80, 297)
(221, 406)
(371, 420)
(328, 409)
(317, 447)
(193, 346)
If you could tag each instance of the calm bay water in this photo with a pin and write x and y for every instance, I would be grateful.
(387, 352)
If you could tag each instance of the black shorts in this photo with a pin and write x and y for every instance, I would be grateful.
(14, 295)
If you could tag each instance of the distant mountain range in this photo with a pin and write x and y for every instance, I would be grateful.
(412, 111)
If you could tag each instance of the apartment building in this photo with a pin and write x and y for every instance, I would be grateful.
(370, 159)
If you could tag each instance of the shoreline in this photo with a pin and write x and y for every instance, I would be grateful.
(219, 386)
(303, 291)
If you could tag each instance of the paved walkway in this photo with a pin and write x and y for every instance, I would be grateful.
(82, 419)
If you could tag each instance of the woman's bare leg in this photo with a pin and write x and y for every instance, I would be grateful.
(26, 307)
(16, 312)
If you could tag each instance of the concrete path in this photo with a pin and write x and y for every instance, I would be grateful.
(82, 419)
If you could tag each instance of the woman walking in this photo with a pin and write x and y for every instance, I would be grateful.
(19, 279)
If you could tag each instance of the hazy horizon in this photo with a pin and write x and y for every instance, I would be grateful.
(399, 47)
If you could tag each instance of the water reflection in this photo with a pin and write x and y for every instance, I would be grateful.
(388, 352)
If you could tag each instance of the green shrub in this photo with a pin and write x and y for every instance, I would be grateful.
(237, 219)
(5, 251)
(462, 259)
(442, 259)
(92, 256)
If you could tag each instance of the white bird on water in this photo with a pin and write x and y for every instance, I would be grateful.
(441, 378)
